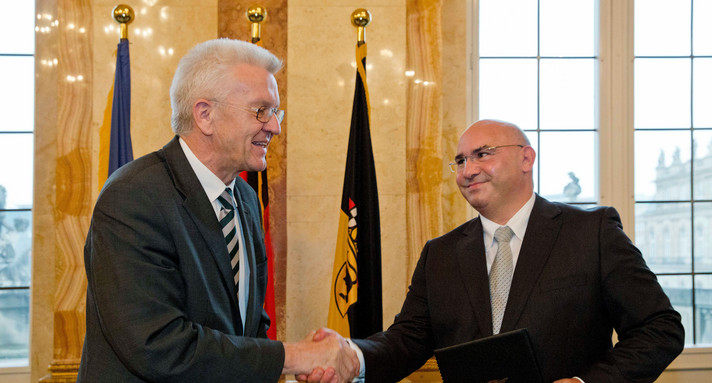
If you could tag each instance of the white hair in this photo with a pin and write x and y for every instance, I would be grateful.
(204, 70)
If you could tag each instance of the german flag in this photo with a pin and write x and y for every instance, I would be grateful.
(355, 308)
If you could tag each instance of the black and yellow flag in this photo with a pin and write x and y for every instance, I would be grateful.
(356, 308)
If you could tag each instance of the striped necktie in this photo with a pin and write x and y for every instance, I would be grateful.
(227, 223)
(500, 277)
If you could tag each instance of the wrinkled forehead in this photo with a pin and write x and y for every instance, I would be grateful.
(255, 85)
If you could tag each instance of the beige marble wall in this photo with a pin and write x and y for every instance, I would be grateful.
(321, 85)
(456, 100)
(424, 125)
(43, 273)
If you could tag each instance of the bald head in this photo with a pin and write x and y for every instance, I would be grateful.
(496, 176)
(502, 127)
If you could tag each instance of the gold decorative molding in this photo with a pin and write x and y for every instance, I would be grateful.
(61, 373)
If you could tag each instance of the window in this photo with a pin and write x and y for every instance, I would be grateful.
(16, 158)
(552, 67)
(538, 70)
(673, 151)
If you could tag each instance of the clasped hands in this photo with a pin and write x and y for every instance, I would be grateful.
(323, 356)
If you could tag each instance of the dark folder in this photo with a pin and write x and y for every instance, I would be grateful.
(506, 357)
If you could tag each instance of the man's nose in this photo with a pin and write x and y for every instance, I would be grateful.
(471, 169)
(273, 126)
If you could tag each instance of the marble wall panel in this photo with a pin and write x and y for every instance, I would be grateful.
(43, 238)
(456, 101)
(424, 125)
(321, 77)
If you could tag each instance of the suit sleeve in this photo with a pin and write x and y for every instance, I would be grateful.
(136, 289)
(650, 334)
(408, 343)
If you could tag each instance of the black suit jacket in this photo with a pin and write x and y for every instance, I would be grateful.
(161, 304)
(577, 278)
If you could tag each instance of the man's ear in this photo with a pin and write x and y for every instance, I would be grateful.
(528, 157)
(203, 116)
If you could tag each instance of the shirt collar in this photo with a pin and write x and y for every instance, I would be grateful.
(518, 222)
(212, 185)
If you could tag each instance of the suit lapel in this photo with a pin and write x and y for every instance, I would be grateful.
(470, 254)
(542, 230)
(200, 210)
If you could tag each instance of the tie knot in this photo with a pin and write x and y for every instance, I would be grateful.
(225, 199)
(503, 234)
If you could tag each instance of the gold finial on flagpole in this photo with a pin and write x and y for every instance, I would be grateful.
(360, 18)
(124, 15)
(256, 14)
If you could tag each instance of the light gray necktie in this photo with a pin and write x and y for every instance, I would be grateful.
(501, 276)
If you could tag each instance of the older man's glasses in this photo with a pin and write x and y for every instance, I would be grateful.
(263, 114)
(482, 154)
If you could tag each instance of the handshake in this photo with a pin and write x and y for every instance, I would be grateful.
(323, 356)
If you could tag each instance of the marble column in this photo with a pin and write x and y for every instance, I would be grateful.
(63, 186)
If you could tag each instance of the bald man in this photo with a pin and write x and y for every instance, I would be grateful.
(575, 277)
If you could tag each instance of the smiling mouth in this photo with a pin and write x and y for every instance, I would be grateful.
(474, 184)
(263, 143)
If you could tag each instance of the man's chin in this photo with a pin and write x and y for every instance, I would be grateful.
(476, 202)
(258, 166)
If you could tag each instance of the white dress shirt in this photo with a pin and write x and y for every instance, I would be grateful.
(213, 187)
(518, 224)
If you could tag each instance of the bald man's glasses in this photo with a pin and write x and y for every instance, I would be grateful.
(263, 114)
(483, 154)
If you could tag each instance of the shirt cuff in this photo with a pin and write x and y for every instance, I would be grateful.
(362, 364)
(579, 379)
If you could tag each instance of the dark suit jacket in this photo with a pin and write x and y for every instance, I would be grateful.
(161, 304)
(577, 278)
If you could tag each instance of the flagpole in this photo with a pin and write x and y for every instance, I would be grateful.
(256, 14)
(115, 147)
(356, 303)
(124, 15)
(360, 18)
